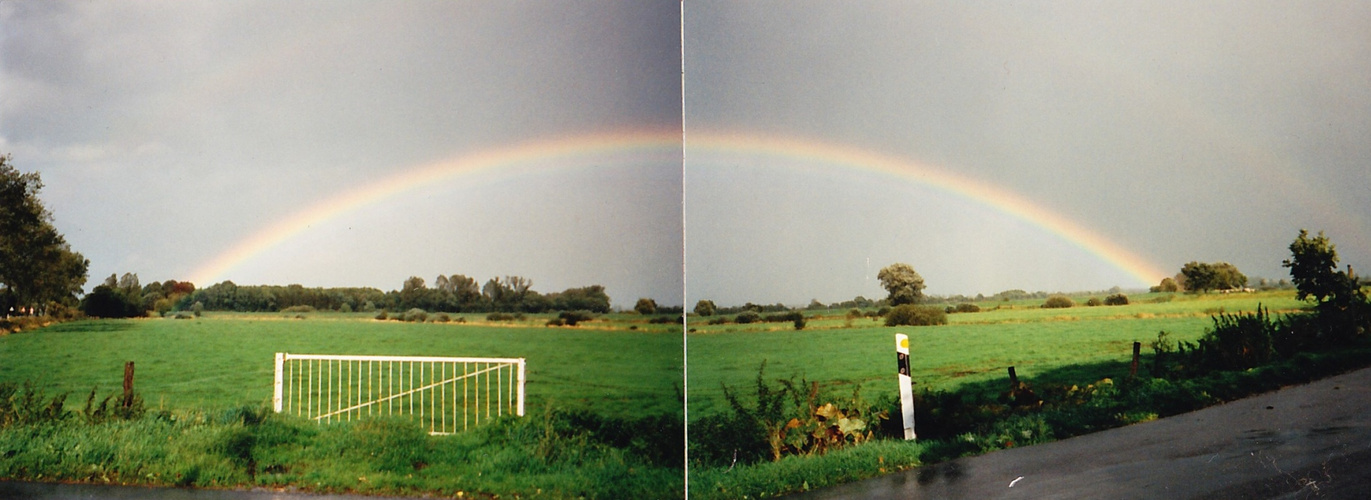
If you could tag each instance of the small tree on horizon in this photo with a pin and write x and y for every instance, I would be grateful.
(904, 285)
(705, 308)
(645, 306)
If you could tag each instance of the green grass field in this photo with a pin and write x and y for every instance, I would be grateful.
(973, 347)
(224, 360)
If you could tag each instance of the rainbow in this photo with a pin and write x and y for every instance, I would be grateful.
(575, 150)
(615, 144)
(1002, 200)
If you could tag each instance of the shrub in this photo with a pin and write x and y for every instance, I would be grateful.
(719, 321)
(964, 308)
(1094, 301)
(416, 315)
(1117, 299)
(442, 318)
(381, 315)
(1058, 302)
(782, 318)
(345, 308)
(571, 318)
(746, 317)
(499, 316)
(915, 315)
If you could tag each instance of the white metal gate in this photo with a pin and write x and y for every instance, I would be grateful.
(447, 394)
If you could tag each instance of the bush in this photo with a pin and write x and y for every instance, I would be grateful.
(416, 315)
(1058, 302)
(571, 318)
(499, 316)
(785, 317)
(1094, 301)
(381, 316)
(442, 318)
(915, 315)
(746, 317)
(719, 321)
(964, 308)
(1117, 299)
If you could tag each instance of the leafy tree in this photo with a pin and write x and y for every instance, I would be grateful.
(1167, 285)
(645, 306)
(705, 308)
(36, 264)
(1201, 277)
(902, 282)
(1313, 267)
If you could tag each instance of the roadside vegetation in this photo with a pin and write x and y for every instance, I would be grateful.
(817, 409)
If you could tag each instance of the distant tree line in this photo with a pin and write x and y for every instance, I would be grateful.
(124, 297)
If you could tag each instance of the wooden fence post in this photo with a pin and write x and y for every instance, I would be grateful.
(1137, 352)
(128, 384)
(1013, 379)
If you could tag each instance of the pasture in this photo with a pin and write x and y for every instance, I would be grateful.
(618, 366)
(1077, 345)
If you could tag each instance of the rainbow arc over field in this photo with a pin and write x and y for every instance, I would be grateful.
(587, 151)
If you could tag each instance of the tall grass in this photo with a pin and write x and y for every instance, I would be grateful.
(552, 455)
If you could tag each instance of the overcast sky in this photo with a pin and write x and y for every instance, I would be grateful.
(167, 132)
(1179, 131)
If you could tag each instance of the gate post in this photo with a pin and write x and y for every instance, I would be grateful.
(521, 387)
(276, 394)
(906, 392)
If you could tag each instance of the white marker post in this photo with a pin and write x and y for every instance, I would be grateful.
(906, 391)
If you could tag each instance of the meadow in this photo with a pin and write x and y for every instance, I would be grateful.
(603, 408)
(225, 360)
(971, 348)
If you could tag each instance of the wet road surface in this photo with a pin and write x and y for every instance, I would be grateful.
(1310, 441)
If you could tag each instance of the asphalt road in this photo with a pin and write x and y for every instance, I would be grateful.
(1310, 441)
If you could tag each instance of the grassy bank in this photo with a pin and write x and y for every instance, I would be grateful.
(549, 455)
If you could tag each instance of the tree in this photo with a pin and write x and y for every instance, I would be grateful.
(645, 306)
(1202, 277)
(904, 285)
(1313, 267)
(36, 264)
(1167, 285)
(705, 308)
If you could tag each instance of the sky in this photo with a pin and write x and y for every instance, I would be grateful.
(1053, 146)
(270, 143)
(776, 151)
